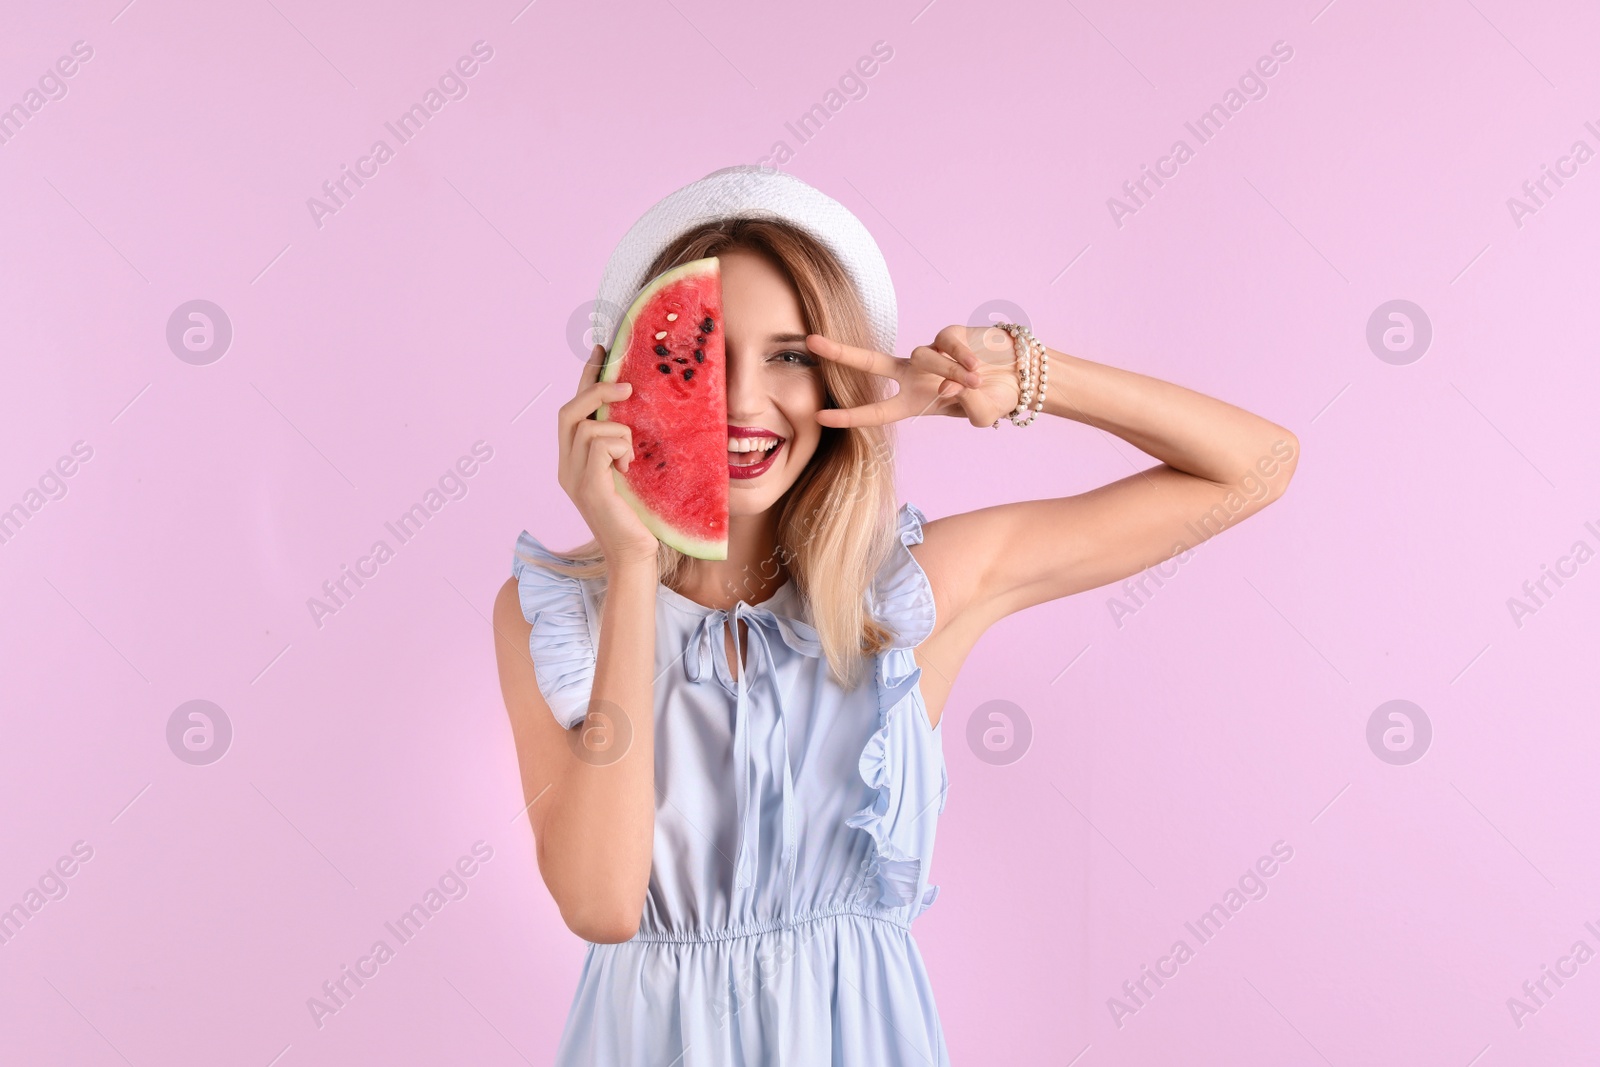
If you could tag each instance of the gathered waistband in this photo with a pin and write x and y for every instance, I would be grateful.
(733, 933)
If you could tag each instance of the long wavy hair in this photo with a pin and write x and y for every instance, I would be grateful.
(836, 524)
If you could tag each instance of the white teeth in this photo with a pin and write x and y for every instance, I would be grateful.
(752, 444)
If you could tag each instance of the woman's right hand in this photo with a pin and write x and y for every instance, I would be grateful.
(590, 451)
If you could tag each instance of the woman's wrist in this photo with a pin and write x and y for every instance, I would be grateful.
(1064, 370)
(1030, 373)
(995, 347)
(627, 568)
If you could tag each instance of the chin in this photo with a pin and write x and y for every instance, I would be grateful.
(758, 495)
(747, 502)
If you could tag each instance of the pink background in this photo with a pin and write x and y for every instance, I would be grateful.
(432, 311)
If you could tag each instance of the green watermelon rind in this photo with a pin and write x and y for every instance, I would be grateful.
(700, 548)
(689, 546)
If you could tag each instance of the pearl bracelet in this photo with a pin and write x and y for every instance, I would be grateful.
(1033, 367)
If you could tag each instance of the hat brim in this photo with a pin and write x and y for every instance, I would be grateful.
(755, 191)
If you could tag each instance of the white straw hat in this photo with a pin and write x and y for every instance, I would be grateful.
(749, 190)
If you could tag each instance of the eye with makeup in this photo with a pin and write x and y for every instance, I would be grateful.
(802, 359)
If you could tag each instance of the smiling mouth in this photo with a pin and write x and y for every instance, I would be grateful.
(752, 451)
(752, 455)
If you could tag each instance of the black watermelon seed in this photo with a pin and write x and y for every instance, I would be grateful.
(679, 359)
(663, 463)
(663, 368)
(707, 326)
(688, 372)
(699, 356)
(662, 350)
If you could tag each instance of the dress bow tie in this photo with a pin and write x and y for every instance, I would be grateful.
(701, 663)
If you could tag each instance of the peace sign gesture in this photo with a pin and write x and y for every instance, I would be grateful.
(968, 370)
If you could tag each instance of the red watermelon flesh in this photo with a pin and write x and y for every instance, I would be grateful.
(669, 346)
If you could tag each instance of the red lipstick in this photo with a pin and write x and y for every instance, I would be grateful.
(754, 470)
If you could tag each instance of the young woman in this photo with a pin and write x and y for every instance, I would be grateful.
(733, 767)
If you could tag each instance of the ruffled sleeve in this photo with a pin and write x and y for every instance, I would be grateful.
(902, 597)
(563, 640)
(903, 760)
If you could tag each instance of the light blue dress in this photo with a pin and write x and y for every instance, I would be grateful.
(794, 828)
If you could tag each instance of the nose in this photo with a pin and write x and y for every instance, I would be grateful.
(746, 398)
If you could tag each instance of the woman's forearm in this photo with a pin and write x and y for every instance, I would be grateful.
(1189, 431)
(596, 849)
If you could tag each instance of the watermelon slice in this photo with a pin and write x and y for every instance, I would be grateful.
(669, 345)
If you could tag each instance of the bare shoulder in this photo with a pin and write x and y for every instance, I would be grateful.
(975, 561)
(518, 680)
(946, 557)
(511, 633)
(539, 738)
(950, 547)
(508, 611)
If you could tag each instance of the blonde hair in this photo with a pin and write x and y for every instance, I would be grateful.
(836, 524)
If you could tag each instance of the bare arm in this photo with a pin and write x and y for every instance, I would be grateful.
(591, 790)
(593, 814)
(1220, 464)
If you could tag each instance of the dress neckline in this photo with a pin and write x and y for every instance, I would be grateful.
(778, 600)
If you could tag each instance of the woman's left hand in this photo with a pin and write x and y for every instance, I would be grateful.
(968, 371)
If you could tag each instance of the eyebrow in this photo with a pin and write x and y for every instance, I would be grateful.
(785, 338)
